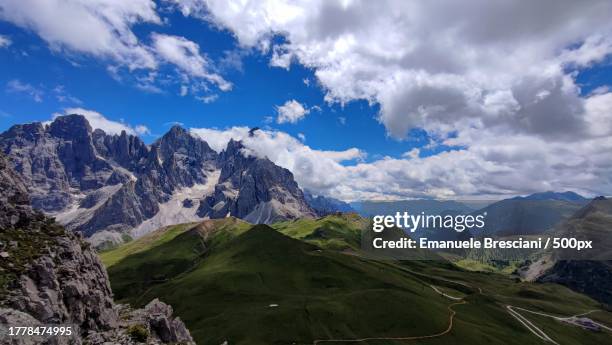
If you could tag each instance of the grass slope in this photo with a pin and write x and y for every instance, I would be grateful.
(260, 286)
(165, 254)
(335, 232)
(165, 234)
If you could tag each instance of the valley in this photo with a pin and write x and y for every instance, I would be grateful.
(306, 282)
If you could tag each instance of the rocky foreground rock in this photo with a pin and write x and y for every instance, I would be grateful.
(50, 276)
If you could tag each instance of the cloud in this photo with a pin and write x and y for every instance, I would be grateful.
(302, 137)
(5, 41)
(291, 112)
(208, 98)
(104, 30)
(498, 165)
(98, 28)
(183, 90)
(438, 65)
(185, 54)
(174, 123)
(17, 86)
(64, 96)
(142, 130)
(99, 121)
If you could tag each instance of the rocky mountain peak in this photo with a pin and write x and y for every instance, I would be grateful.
(179, 141)
(233, 148)
(177, 130)
(70, 127)
(29, 132)
(254, 189)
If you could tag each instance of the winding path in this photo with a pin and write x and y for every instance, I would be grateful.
(448, 329)
(460, 300)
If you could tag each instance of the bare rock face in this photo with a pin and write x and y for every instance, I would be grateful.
(51, 276)
(254, 189)
(104, 185)
(56, 160)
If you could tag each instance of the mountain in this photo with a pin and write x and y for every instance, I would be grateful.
(550, 195)
(588, 271)
(373, 208)
(109, 186)
(51, 276)
(262, 287)
(253, 189)
(533, 214)
(324, 206)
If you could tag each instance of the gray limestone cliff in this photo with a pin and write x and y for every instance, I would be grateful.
(253, 188)
(50, 276)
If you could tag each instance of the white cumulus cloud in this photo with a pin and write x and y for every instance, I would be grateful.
(291, 112)
(104, 30)
(186, 55)
(492, 166)
(438, 65)
(96, 27)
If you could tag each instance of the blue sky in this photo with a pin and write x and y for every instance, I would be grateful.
(437, 107)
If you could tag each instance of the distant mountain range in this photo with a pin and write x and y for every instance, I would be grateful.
(532, 214)
(523, 215)
(372, 208)
(105, 185)
(324, 206)
(550, 195)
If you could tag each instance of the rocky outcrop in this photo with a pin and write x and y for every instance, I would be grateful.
(153, 324)
(254, 189)
(51, 276)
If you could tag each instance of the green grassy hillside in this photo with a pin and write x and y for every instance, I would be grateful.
(257, 285)
(165, 254)
(336, 232)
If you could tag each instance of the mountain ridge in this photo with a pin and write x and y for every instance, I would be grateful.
(106, 185)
